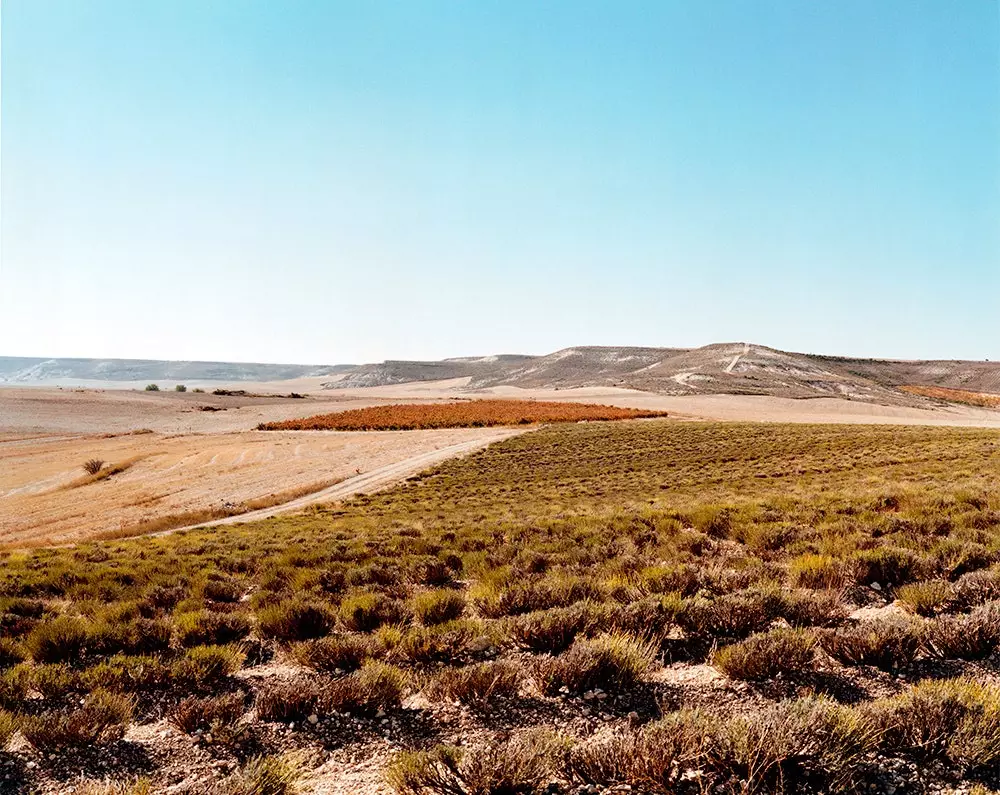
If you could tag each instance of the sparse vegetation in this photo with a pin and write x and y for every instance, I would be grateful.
(152, 388)
(180, 388)
(553, 576)
(93, 466)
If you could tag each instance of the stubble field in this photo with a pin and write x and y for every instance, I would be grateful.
(672, 607)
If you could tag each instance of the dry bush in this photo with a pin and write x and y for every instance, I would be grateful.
(297, 619)
(805, 608)
(520, 764)
(807, 739)
(263, 775)
(467, 413)
(925, 598)
(886, 644)
(136, 636)
(102, 719)
(651, 618)
(498, 599)
(376, 686)
(137, 786)
(977, 587)
(818, 571)
(982, 399)
(657, 759)
(451, 642)
(681, 579)
(975, 636)
(222, 590)
(209, 627)
(288, 701)
(365, 612)
(336, 653)
(129, 674)
(957, 720)
(607, 662)
(887, 566)
(764, 656)
(93, 466)
(734, 616)
(219, 716)
(11, 653)
(477, 685)
(554, 630)
(437, 607)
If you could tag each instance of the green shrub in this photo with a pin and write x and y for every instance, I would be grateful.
(152, 388)
(734, 616)
(128, 674)
(297, 619)
(452, 642)
(59, 640)
(204, 665)
(437, 607)
(818, 571)
(555, 629)
(887, 566)
(11, 653)
(764, 656)
(681, 579)
(180, 388)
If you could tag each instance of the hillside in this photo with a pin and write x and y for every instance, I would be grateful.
(722, 368)
(21, 369)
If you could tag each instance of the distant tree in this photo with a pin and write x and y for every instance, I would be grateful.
(180, 388)
(152, 388)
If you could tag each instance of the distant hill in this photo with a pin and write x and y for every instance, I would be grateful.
(723, 368)
(19, 369)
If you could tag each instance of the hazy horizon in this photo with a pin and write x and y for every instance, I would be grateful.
(336, 182)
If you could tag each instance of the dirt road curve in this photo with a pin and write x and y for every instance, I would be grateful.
(365, 482)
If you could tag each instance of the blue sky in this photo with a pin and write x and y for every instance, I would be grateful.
(338, 182)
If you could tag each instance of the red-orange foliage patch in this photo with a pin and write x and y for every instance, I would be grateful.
(983, 399)
(464, 414)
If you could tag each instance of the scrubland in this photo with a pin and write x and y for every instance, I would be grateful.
(463, 414)
(671, 607)
(981, 399)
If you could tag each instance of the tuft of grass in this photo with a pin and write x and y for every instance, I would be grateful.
(93, 465)
(218, 716)
(205, 665)
(264, 775)
(437, 607)
(885, 644)
(61, 639)
(477, 685)
(607, 662)
(296, 619)
(521, 764)
(376, 686)
(208, 627)
(553, 631)
(102, 719)
(365, 612)
(764, 656)
(975, 636)
(338, 653)
(925, 598)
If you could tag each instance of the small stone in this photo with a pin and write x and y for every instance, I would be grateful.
(601, 696)
(588, 696)
(313, 719)
(380, 713)
(876, 586)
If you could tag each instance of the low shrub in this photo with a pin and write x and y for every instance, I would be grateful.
(886, 644)
(477, 685)
(219, 716)
(452, 642)
(208, 628)
(376, 686)
(975, 636)
(521, 764)
(59, 640)
(437, 607)
(887, 566)
(807, 608)
(818, 571)
(102, 719)
(976, 588)
(93, 466)
(365, 612)
(288, 701)
(334, 654)
(297, 619)
(555, 629)
(925, 598)
(607, 662)
(205, 665)
(733, 616)
(681, 579)
(11, 653)
(128, 674)
(764, 656)
(263, 775)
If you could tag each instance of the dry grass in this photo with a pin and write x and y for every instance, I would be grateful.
(464, 414)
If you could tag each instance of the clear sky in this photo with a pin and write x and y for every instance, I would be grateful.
(327, 182)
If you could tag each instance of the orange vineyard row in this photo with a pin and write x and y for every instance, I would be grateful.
(982, 399)
(465, 414)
